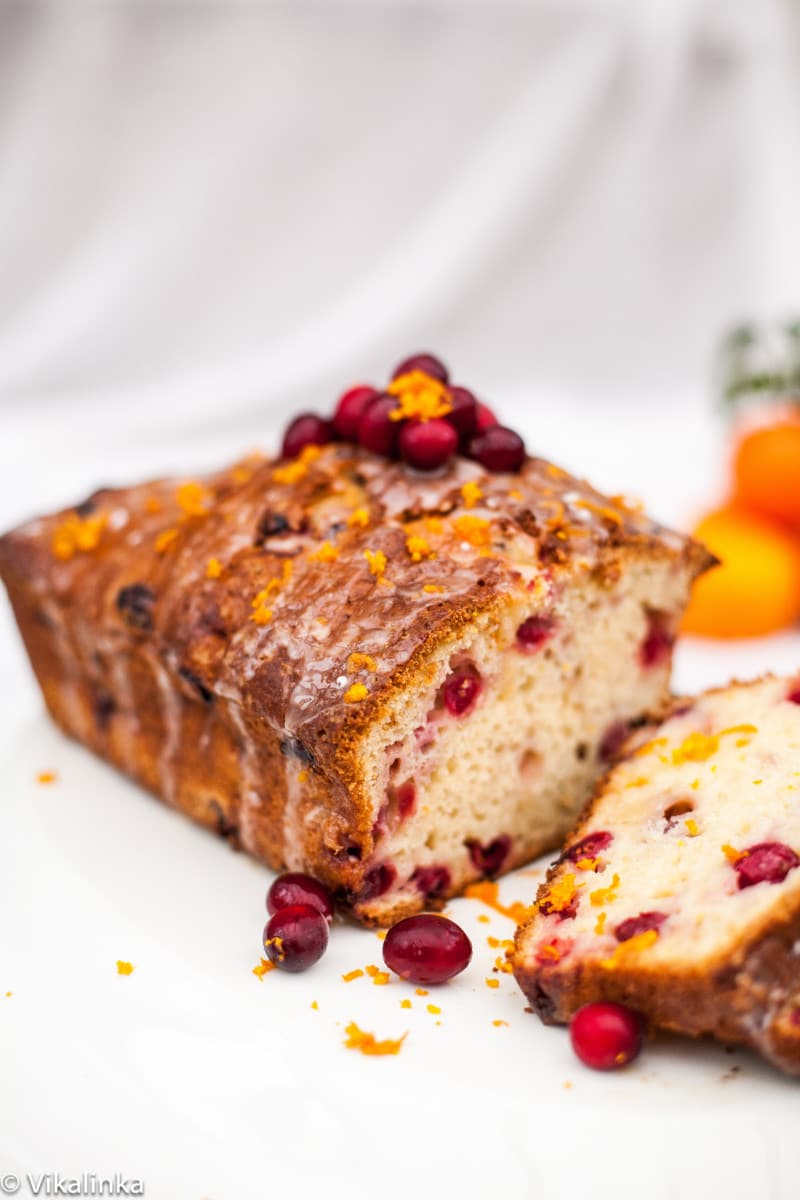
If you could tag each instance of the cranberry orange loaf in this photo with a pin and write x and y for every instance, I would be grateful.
(678, 894)
(399, 678)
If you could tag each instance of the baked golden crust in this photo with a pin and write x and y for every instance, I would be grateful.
(744, 990)
(201, 636)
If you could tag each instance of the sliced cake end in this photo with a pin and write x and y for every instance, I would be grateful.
(678, 893)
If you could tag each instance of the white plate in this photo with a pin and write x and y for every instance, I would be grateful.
(202, 1081)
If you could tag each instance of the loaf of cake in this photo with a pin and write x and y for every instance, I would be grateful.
(678, 892)
(397, 680)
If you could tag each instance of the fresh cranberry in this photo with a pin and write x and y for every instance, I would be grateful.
(656, 647)
(294, 888)
(427, 445)
(406, 799)
(534, 632)
(296, 937)
(376, 430)
(589, 846)
(464, 414)
(485, 418)
(606, 1036)
(377, 881)
(432, 881)
(488, 858)
(306, 430)
(426, 949)
(794, 694)
(498, 449)
(350, 409)
(428, 363)
(641, 924)
(461, 692)
(768, 862)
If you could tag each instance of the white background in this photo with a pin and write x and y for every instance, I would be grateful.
(209, 216)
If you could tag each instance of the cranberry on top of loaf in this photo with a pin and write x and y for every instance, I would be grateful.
(396, 679)
(679, 892)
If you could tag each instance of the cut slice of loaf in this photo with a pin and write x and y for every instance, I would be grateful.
(678, 893)
(399, 683)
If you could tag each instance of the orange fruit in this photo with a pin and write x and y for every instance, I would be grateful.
(757, 588)
(766, 470)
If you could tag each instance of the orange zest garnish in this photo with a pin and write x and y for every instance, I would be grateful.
(213, 568)
(731, 854)
(361, 662)
(606, 895)
(559, 895)
(354, 974)
(164, 540)
(695, 747)
(263, 968)
(46, 777)
(326, 553)
(77, 535)
(419, 397)
(366, 1043)
(359, 518)
(193, 499)
(297, 469)
(418, 548)
(432, 588)
(377, 562)
(355, 693)
(124, 968)
(475, 530)
(471, 493)
(640, 941)
(488, 892)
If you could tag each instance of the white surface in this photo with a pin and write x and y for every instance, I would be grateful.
(205, 1082)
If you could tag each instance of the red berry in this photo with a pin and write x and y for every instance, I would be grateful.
(294, 888)
(377, 881)
(464, 414)
(306, 430)
(376, 430)
(484, 418)
(427, 445)
(768, 862)
(488, 858)
(641, 924)
(656, 647)
(498, 449)
(534, 632)
(606, 1036)
(296, 937)
(794, 694)
(432, 881)
(461, 691)
(406, 798)
(428, 363)
(426, 949)
(613, 740)
(589, 846)
(350, 409)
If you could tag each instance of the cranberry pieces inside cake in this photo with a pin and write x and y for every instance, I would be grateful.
(679, 892)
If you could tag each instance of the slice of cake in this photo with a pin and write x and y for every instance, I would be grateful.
(678, 893)
(397, 680)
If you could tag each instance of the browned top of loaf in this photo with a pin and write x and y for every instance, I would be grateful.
(199, 555)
